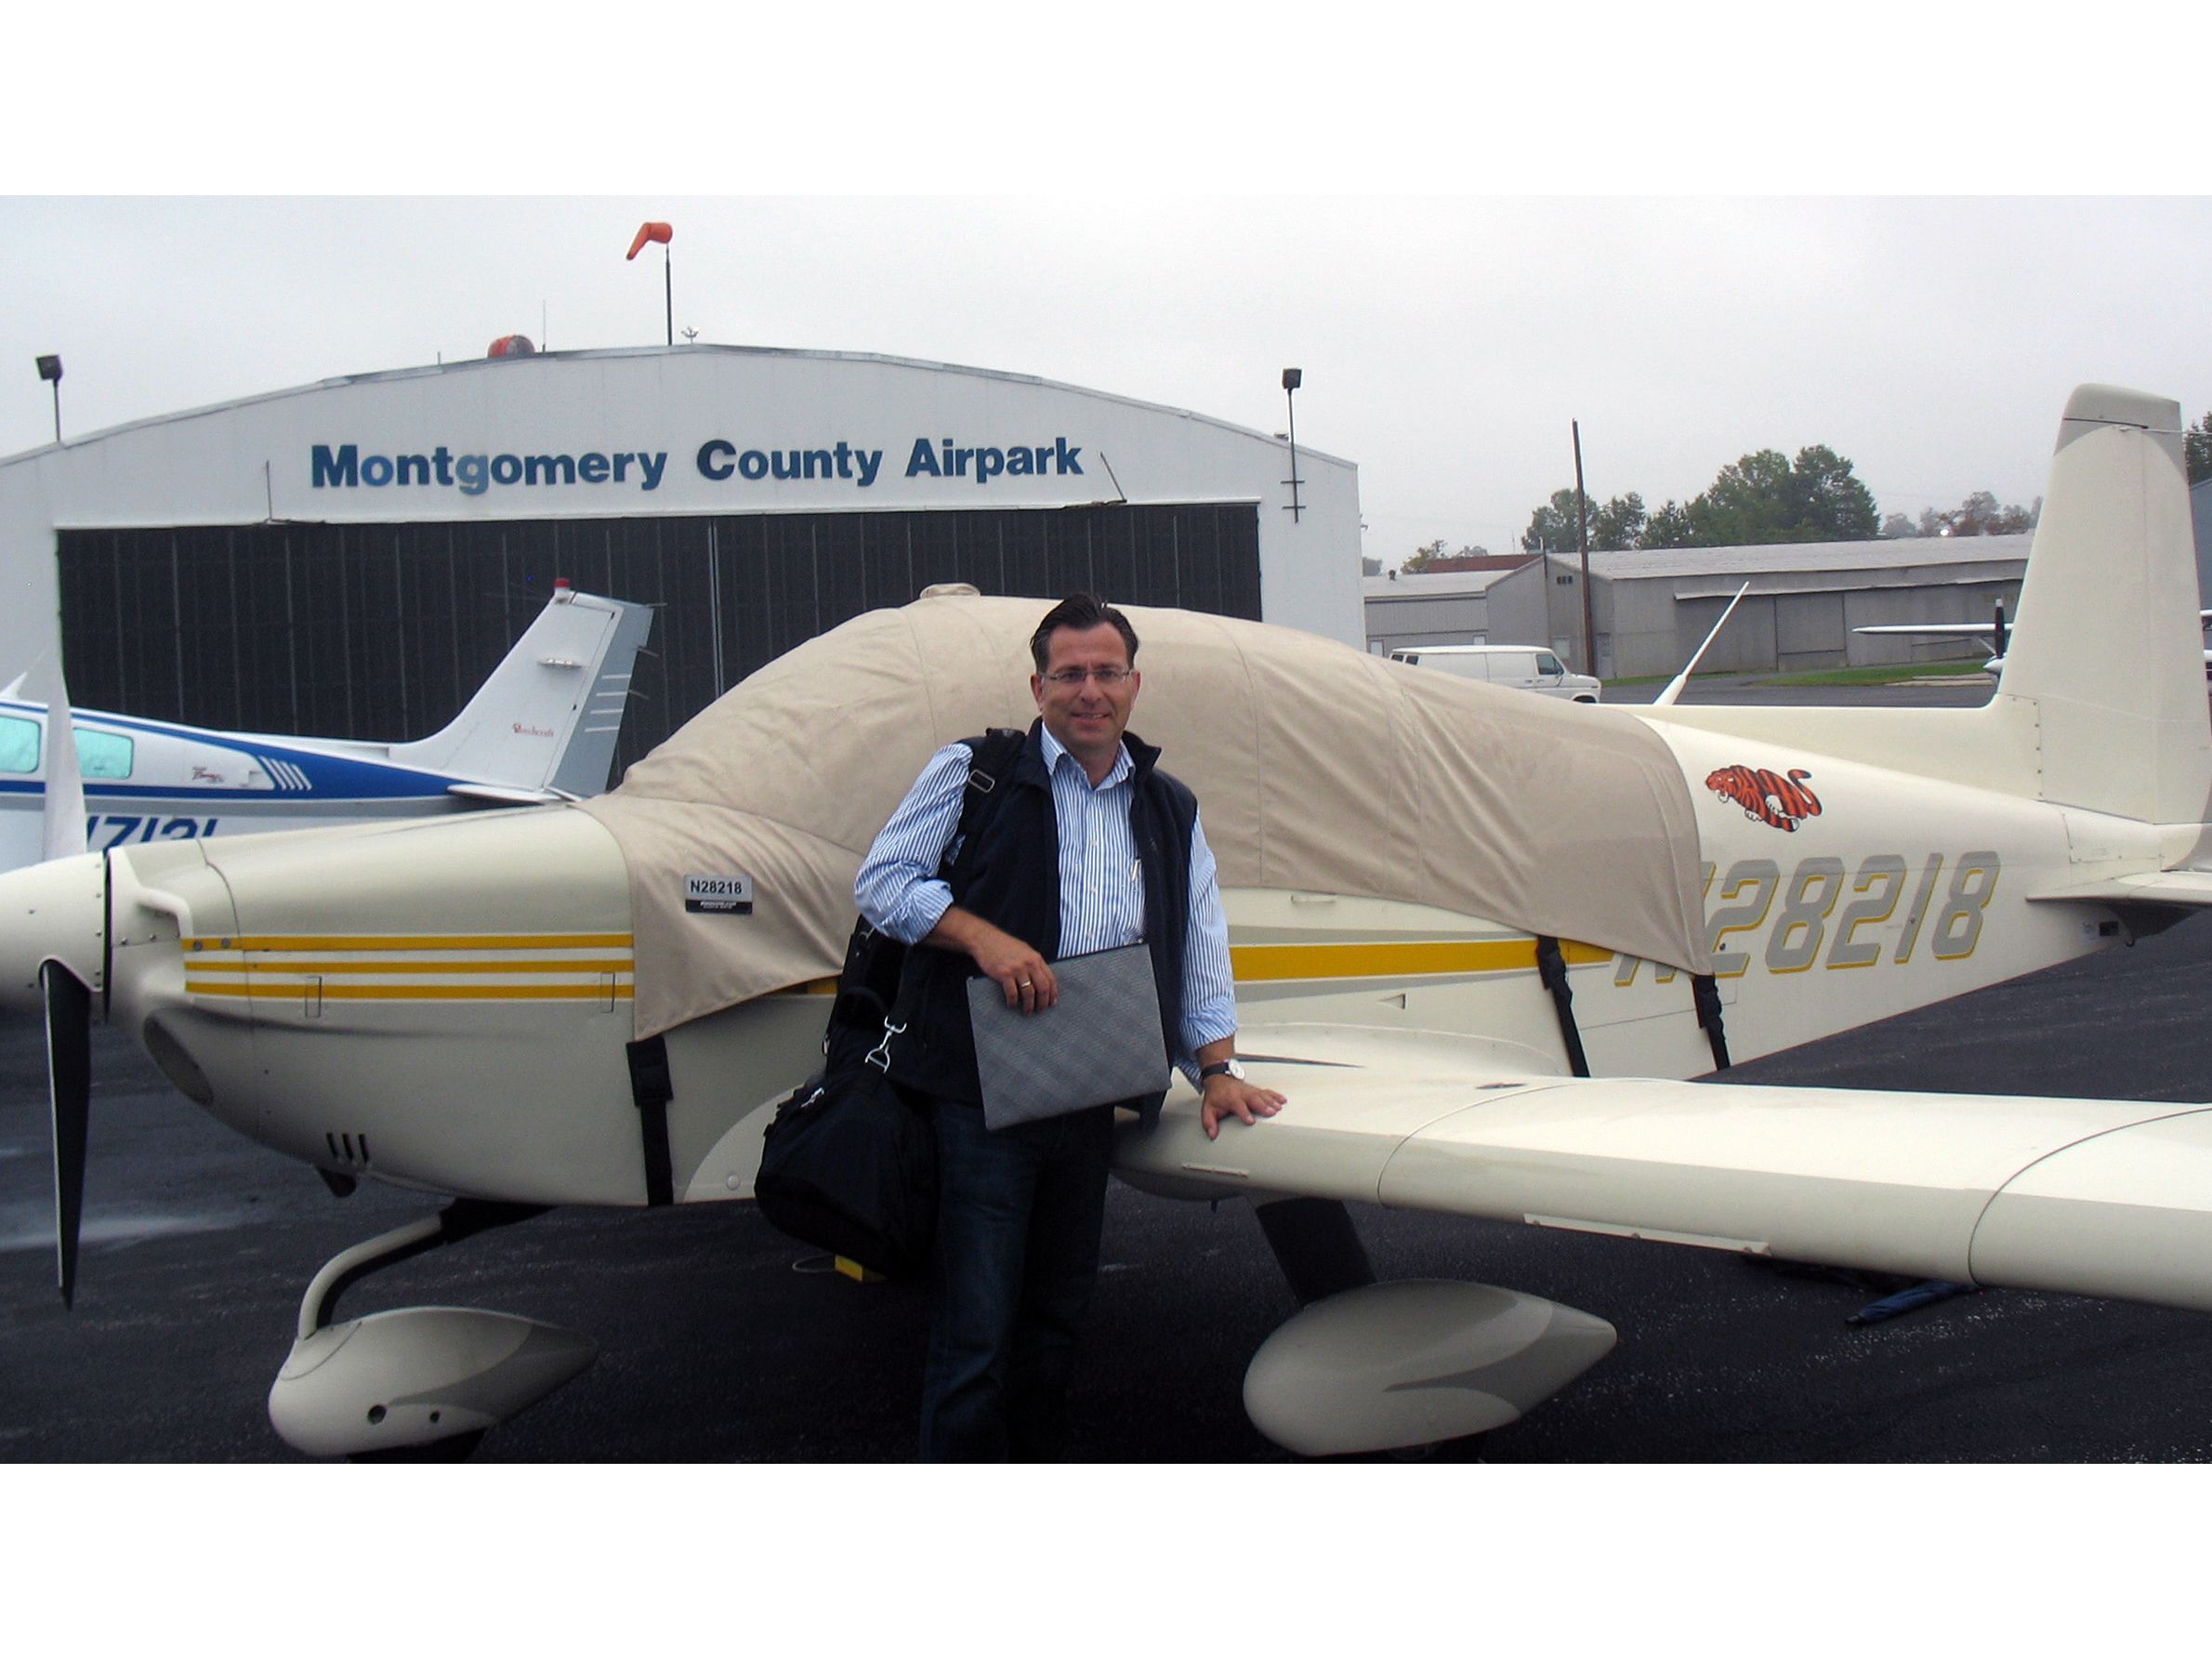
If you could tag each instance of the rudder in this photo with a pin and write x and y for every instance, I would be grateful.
(2106, 648)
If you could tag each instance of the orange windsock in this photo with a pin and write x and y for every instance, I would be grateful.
(651, 231)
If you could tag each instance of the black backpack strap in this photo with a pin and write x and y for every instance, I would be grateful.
(992, 762)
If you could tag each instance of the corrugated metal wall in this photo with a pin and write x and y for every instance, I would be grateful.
(382, 631)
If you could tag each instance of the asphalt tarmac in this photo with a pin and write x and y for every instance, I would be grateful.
(720, 1339)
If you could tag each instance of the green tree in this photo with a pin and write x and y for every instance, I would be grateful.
(1979, 514)
(1763, 498)
(1833, 504)
(1555, 525)
(1749, 503)
(2197, 445)
(1421, 556)
(1669, 527)
(1897, 528)
(1619, 523)
(1370, 565)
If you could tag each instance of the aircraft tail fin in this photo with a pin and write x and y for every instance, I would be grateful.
(2106, 647)
(547, 720)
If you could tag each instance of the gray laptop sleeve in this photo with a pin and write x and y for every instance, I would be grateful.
(1099, 1042)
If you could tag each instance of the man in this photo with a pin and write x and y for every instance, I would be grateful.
(1090, 847)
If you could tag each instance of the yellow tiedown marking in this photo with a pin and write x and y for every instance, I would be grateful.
(1402, 959)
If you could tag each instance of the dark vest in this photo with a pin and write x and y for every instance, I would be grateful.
(1012, 881)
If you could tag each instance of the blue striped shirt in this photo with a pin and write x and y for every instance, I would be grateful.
(1101, 881)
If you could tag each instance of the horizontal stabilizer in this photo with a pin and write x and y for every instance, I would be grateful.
(1932, 630)
(2189, 889)
(499, 795)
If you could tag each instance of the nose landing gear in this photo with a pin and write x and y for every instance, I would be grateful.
(414, 1382)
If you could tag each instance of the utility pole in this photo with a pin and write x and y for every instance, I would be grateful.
(1582, 515)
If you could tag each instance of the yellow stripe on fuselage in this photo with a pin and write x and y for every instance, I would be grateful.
(271, 988)
(289, 967)
(282, 977)
(500, 965)
(1383, 959)
(415, 941)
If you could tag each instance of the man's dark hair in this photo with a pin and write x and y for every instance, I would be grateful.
(1080, 612)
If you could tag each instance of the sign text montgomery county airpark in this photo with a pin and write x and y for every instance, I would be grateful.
(344, 467)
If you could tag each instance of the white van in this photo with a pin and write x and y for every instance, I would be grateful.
(1525, 668)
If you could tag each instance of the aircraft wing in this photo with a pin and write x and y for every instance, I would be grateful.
(2090, 1197)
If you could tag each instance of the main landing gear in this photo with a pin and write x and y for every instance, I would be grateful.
(1369, 1367)
(418, 1383)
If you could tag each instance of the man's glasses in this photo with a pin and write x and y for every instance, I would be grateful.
(1109, 677)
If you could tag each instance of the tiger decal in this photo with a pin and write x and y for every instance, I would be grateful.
(1766, 796)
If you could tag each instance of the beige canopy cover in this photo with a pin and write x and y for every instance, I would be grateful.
(1317, 768)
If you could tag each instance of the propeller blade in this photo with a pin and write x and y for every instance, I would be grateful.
(64, 822)
(2000, 629)
(68, 1081)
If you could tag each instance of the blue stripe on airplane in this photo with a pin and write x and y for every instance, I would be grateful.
(329, 777)
(103, 789)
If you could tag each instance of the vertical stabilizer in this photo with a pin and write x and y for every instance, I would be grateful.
(2106, 649)
(547, 717)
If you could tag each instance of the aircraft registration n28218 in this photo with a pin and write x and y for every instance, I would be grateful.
(1483, 942)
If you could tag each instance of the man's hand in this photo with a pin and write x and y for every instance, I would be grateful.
(1025, 977)
(1225, 1096)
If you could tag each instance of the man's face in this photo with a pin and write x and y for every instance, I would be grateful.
(1087, 716)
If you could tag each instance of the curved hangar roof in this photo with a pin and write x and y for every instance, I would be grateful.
(1317, 767)
(662, 431)
(664, 408)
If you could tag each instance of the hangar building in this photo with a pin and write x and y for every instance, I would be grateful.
(1447, 608)
(349, 559)
(1652, 608)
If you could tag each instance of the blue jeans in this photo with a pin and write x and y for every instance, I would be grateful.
(1018, 1215)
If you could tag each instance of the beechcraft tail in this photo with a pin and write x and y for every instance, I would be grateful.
(543, 725)
(542, 728)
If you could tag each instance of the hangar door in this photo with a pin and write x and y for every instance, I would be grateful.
(381, 631)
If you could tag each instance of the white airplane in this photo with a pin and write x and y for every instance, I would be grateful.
(1481, 941)
(541, 728)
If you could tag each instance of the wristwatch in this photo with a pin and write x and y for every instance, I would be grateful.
(1220, 1068)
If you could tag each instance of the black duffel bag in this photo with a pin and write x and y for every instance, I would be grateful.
(847, 1165)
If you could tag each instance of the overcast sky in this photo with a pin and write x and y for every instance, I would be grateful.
(1447, 340)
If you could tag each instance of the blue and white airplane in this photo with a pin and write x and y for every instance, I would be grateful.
(541, 729)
